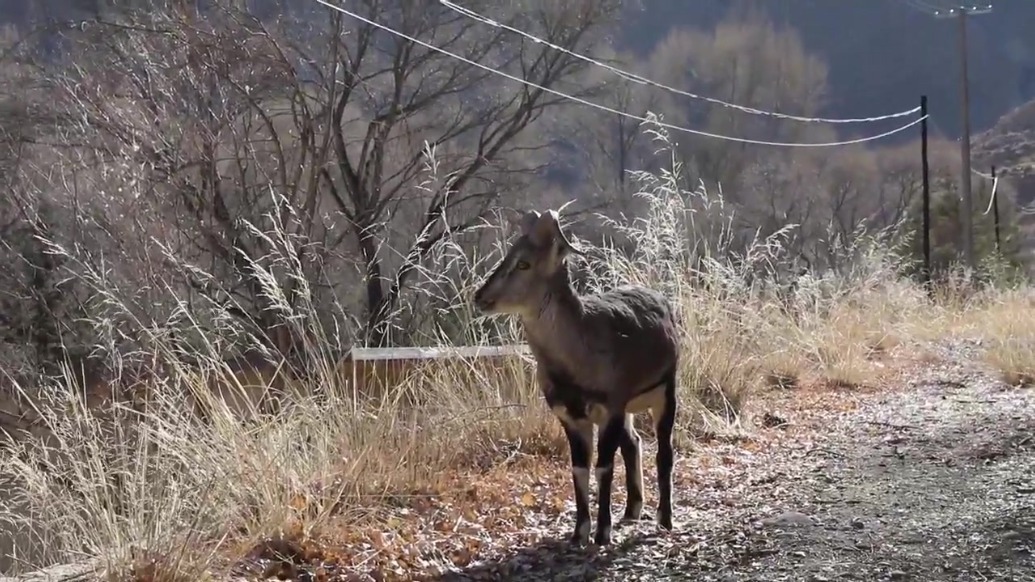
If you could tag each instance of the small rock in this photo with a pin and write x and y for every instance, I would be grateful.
(788, 518)
(897, 575)
(858, 524)
(1026, 490)
(770, 420)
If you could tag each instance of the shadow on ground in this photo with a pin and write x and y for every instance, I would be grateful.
(557, 560)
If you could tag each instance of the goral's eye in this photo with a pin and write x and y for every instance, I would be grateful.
(523, 265)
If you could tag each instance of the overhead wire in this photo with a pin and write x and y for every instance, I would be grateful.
(610, 109)
(645, 81)
(995, 186)
(991, 197)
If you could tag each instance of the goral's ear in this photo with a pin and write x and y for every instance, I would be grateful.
(547, 232)
(528, 222)
(517, 223)
(543, 229)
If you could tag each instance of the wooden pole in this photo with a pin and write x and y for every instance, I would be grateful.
(926, 174)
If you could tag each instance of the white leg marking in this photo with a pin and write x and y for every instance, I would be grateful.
(581, 478)
(562, 413)
(583, 530)
(597, 414)
(637, 474)
(581, 481)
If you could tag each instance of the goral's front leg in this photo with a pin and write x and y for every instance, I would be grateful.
(580, 443)
(607, 447)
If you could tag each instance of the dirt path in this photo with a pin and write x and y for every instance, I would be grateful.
(933, 481)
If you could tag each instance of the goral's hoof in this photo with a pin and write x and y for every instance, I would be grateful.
(603, 537)
(665, 521)
(634, 518)
(578, 538)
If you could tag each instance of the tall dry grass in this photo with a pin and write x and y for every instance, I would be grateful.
(150, 482)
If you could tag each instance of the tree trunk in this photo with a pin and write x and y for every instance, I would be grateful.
(377, 298)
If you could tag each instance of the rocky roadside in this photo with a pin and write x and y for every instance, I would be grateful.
(932, 481)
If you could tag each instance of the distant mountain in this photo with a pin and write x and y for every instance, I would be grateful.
(883, 54)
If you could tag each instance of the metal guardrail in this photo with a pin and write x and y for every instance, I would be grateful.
(436, 353)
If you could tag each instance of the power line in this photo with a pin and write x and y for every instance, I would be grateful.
(610, 109)
(956, 9)
(950, 9)
(629, 76)
(923, 6)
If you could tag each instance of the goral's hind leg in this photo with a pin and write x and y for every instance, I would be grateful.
(607, 445)
(665, 424)
(632, 455)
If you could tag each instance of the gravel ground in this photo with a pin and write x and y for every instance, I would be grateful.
(930, 481)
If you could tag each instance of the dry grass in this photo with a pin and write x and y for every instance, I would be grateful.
(156, 493)
(1005, 322)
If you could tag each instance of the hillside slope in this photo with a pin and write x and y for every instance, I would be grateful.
(1010, 146)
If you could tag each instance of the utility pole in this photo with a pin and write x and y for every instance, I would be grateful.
(968, 199)
(925, 174)
(941, 9)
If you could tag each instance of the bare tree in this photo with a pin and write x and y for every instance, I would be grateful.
(605, 148)
(319, 127)
(36, 299)
(745, 60)
(408, 96)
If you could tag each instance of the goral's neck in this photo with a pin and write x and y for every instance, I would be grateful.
(555, 328)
